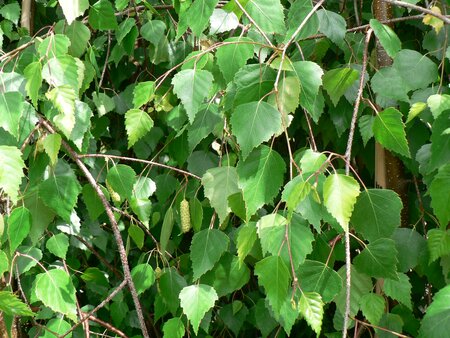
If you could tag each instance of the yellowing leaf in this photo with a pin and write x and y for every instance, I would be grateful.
(432, 21)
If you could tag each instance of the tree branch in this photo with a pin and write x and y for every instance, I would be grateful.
(114, 225)
(419, 9)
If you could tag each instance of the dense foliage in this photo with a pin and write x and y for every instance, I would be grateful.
(205, 167)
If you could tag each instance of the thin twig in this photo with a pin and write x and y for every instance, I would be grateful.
(107, 326)
(419, 9)
(254, 23)
(131, 159)
(348, 151)
(79, 312)
(106, 61)
(98, 307)
(114, 225)
(380, 328)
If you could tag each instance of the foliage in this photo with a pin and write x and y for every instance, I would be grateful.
(194, 168)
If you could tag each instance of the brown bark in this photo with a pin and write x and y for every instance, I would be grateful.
(389, 169)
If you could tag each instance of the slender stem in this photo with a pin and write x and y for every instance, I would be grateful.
(419, 9)
(107, 326)
(348, 151)
(254, 23)
(98, 307)
(131, 159)
(114, 225)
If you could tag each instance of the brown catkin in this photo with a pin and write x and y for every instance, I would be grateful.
(185, 216)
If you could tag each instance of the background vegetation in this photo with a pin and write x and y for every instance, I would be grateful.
(224, 168)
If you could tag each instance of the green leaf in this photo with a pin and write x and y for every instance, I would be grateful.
(415, 109)
(170, 284)
(34, 80)
(13, 306)
(174, 328)
(143, 277)
(60, 191)
(101, 16)
(11, 105)
(272, 233)
(268, 15)
(227, 276)
(387, 37)
(93, 203)
(438, 243)
(438, 103)
(58, 326)
(143, 93)
(54, 45)
(295, 16)
(220, 183)
(11, 170)
(361, 285)
(409, 62)
(166, 229)
(78, 34)
(192, 87)
(11, 12)
(196, 208)
(83, 115)
(4, 261)
(222, 21)
(58, 245)
(411, 247)
(378, 259)
(55, 289)
(206, 249)
(377, 213)
(196, 300)
(337, 81)
(311, 307)
(287, 98)
(274, 276)
(365, 124)
(295, 191)
(436, 322)
(388, 84)
(440, 199)
(204, 123)
(312, 161)
(73, 9)
(254, 123)
(137, 123)
(63, 98)
(339, 194)
(121, 179)
(197, 16)
(124, 29)
(260, 177)
(372, 307)
(136, 233)
(389, 131)
(19, 224)
(64, 71)
(399, 290)
(310, 75)
(317, 277)
(52, 144)
(153, 31)
(233, 55)
(246, 238)
(332, 25)
(440, 141)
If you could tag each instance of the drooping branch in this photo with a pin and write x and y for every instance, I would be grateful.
(118, 237)
(419, 9)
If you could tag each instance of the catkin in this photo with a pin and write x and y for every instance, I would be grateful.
(185, 216)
